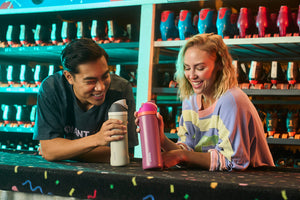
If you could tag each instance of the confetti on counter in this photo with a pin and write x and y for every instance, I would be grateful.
(283, 193)
(92, 196)
(133, 181)
(171, 188)
(31, 188)
(186, 196)
(16, 169)
(150, 196)
(32, 174)
(71, 192)
(213, 185)
(14, 188)
(45, 174)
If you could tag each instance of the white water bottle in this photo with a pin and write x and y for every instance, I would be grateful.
(119, 149)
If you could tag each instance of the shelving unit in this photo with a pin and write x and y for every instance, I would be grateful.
(16, 129)
(17, 90)
(146, 51)
(119, 53)
(282, 49)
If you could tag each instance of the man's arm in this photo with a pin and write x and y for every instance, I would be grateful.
(92, 148)
(99, 154)
(83, 149)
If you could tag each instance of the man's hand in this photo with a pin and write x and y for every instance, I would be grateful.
(111, 130)
(92, 148)
(136, 121)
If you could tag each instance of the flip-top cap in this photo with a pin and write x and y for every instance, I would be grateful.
(148, 108)
(118, 106)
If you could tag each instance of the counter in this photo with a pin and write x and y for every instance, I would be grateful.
(29, 173)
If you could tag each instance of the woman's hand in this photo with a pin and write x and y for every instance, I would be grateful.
(161, 128)
(173, 157)
(136, 121)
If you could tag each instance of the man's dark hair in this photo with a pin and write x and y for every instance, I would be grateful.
(81, 51)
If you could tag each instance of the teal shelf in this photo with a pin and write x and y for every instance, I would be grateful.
(125, 53)
(16, 129)
(164, 90)
(171, 135)
(28, 90)
(119, 53)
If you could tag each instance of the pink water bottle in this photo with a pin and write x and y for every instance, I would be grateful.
(150, 139)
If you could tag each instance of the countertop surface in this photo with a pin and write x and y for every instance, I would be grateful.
(31, 173)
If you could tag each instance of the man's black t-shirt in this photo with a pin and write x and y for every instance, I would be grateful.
(58, 114)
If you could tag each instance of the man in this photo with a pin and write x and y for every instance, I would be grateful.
(73, 107)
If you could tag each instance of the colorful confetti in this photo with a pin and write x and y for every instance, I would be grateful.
(14, 188)
(149, 196)
(16, 169)
(71, 192)
(283, 194)
(92, 196)
(31, 188)
(45, 174)
(133, 181)
(171, 188)
(215, 182)
(213, 185)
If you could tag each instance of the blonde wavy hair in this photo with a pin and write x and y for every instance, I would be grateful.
(214, 45)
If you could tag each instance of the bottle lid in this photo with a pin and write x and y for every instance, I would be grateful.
(118, 106)
(148, 108)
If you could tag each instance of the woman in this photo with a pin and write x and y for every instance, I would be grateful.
(219, 127)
